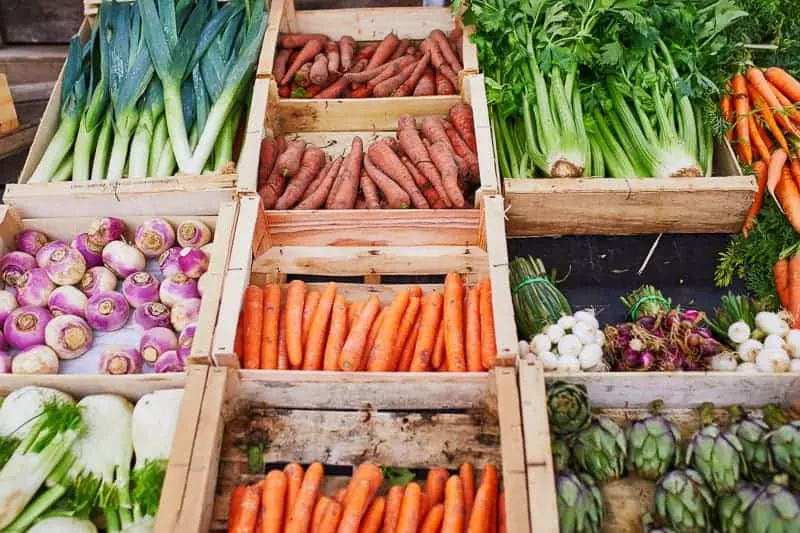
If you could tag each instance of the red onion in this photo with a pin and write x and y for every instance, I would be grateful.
(97, 280)
(34, 288)
(13, 265)
(25, 326)
(65, 265)
(193, 233)
(169, 362)
(67, 300)
(155, 342)
(184, 313)
(5, 363)
(193, 262)
(35, 360)
(69, 336)
(123, 259)
(107, 311)
(151, 315)
(154, 237)
(8, 302)
(104, 230)
(185, 340)
(91, 253)
(45, 251)
(30, 241)
(120, 360)
(177, 288)
(140, 288)
(168, 261)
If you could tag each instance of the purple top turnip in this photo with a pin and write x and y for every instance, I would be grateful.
(169, 362)
(168, 262)
(185, 340)
(91, 253)
(177, 288)
(5, 363)
(193, 262)
(154, 237)
(44, 252)
(123, 259)
(25, 326)
(30, 241)
(8, 302)
(13, 265)
(184, 313)
(118, 360)
(69, 336)
(96, 280)
(151, 315)
(193, 234)
(107, 311)
(65, 265)
(155, 342)
(140, 288)
(35, 360)
(34, 288)
(104, 230)
(67, 300)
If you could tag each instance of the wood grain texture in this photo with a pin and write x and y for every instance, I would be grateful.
(27, 64)
(38, 21)
(8, 113)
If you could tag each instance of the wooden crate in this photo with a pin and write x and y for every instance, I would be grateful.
(66, 228)
(624, 397)
(345, 422)
(193, 384)
(269, 245)
(363, 25)
(614, 206)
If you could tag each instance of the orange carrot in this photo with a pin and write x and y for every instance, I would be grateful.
(269, 329)
(283, 353)
(760, 105)
(784, 81)
(454, 509)
(365, 472)
(272, 502)
(300, 518)
(372, 336)
(760, 83)
(281, 60)
(787, 106)
(407, 87)
(295, 299)
(298, 40)
(501, 513)
(370, 191)
(355, 507)
(741, 102)
(403, 332)
(394, 499)
(311, 164)
(726, 106)
(345, 190)
(318, 330)
(246, 518)
(388, 86)
(352, 351)
(333, 90)
(267, 155)
(309, 306)
(435, 485)
(430, 318)
(373, 519)
(331, 518)
(253, 322)
(760, 170)
(794, 287)
(384, 158)
(463, 121)
(408, 350)
(781, 274)
(415, 149)
(789, 198)
(294, 476)
(756, 139)
(336, 334)
(424, 507)
(340, 494)
(438, 359)
(384, 50)
(408, 520)
(427, 84)
(776, 164)
(488, 339)
(381, 356)
(316, 199)
(238, 340)
(396, 197)
(353, 310)
(794, 167)
(444, 86)
(319, 513)
(437, 60)
(235, 507)
(424, 184)
(454, 322)
(472, 326)
(485, 502)
(433, 520)
(467, 475)
(443, 158)
(306, 54)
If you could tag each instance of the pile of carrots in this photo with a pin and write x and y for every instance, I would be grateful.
(435, 169)
(313, 66)
(321, 331)
(763, 108)
(289, 500)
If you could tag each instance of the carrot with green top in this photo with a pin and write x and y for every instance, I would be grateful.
(787, 107)
(253, 322)
(760, 84)
(780, 273)
(760, 170)
(785, 82)
(381, 356)
(318, 329)
(741, 102)
(775, 169)
(789, 198)
(769, 119)
(353, 349)
(756, 139)
(794, 286)
(726, 107)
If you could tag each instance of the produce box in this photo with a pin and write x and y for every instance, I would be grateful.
(270, 246)
(248, 418)
(611, 206)
(133, 388)
(66, 228)
(624, 398)
(179, 193)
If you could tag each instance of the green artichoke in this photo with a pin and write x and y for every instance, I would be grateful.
(568, 408)
(562, 456)
(580, 504)
(683, 502)
(783, 443)
(649, 526)
(774, 510)
(653, 444)
(750, 431)
(716, 454)
(732, 508)
(601, 449)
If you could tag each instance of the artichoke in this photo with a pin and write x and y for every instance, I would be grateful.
(774, 510)
(601, 449)
(783, 443)
(648, 525)
(683, 502)
(732, 508)
(653, 444)
(580, 504)
(568, 408)
(716, 454)
(562, 456)
(750, 431)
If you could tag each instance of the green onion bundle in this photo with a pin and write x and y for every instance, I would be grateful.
(537, 301)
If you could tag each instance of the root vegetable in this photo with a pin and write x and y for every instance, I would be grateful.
(461, 149)
(541, 343)
(168, 262)
(370, 191)
(402, 48)
(193, 262)
(8, 302)
(738, 332)
(96, 280)
(425, 186)
(389, 86)
(438, 61)
(772, 360)
(177, 288)
(14, 265)
(184, 313)
(747, 368)
(107, 311)
(69, 336)
(151, 315)
(25, 326)
(408, 85)
(35, 360)
(312, 162)
(64, 265)
(45, 251)
(154, 237)
(590, 356)
(396, 197)
(384, 50)
(186, 340)
(281, 59)
(5, 363)
(319, 70)
(440, 39)
(91, 253)
(347, 47)
(463, 121)
(119, 360)
(140, 288)
(123, 259)
(266, 161)
(724, 362)
(155, 342)
(568, 363)
(415, 149)
(334, 89)
(387, 161)
(298, 40)
(104, 230)
(67, 300)
(320, 194)
(30, 241)
(345, 190)
(306, 54)
(332, 55)
(443, 159)
(34, 288)
(193, 233)
(302, 78)
(426, 85)
(169, 362)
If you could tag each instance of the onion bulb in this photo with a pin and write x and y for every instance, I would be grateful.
(151, 315)
(30, 241)
(772, 360)
(549, 360)
(65, 265)
(123, 259)
(566, 322)
(92, 254)
(193, 262)
(587, 317)
(590, 356)
(792, 341)
(184, 313)
(177, 288)
(140, 288)
(35, 360)
(749, 349)
(8, 302)
(104, 230)
(584, 332)
(69, 336)
(96, 280)
(193, 233)
(169, 362)
(155, 342)
(154, 237)
(34, 288)
(599, 337)
(186, 340)
(569, 345)
(168, 262)
(738, 332)
(25, 326)
(107, 311)
(568, 363)
(724, 362)
(555, 332)
(13, 265)
(118, 360)
(771, 323)
(67, 300)
(773, 341)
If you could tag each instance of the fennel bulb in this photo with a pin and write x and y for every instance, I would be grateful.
(63, 524)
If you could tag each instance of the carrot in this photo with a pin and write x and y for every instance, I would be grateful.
(776, 164)
(472, 326)
(454, 322)
(406, 325)
(333, 56)
(388, 86)
(787, 107)
(443, 85)
(485, 502)
(269, 329)
(308, 52)
(238, 340)
(372, 336)
(408, 519)
(354, 507)
(424, 507)
(789, 198)
(396, 197)
(373, 518)
(408, 348)
(785, 82)
(319, 69)
(318, 329)
(245, 520)
(769, 119)
(336, 334)
(412, 145)
(267, 155)
(488, 338)
(340, 494)
(344, 196)
(440, 39)
(394, 499)
(463, 121)
(316, 181)
(438, 61)
(309, 306)
(501, 513)
(312, 162)
(352, 351)
(461, 149)
(794, 167)
(319, 513)
(353, 311)
(253, 322)
(381, 356)
(298, 40)
(438, 359)
(302, 78)
(284, 91)
(756, 139)
(362, 91)
(347, 47)
(424, 184)
(279, 65)
(272, 502)
(794, 287)
(433, 520)
(726, 107)
(467, 475)
(426, 85)
(286, 166)
(382, 155)
(401, 49)
(442, 157)
(370, 191)
(295, 299)
(331, 518)
(283, 353)
(366, 53)
(318, 197)
(435, 484)
(333, 90)
(760, 170)
(384, 50)
(235, 507)
(300, 517)
(760, 84)
(781, 274)
(454, 509)
(365, 472)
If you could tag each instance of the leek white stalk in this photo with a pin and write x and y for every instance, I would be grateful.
(159, 142)
(63, 524)
(103, 147)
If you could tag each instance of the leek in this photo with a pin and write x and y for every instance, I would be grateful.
(103, 147)
(159, 142)
(145, 131)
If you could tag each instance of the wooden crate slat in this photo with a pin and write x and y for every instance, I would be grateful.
(8, 113)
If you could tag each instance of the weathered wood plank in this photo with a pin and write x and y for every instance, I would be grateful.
(8, 113)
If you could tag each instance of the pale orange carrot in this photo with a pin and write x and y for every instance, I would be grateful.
(248, 509)
(406, 325)
(253, 322)
(488, 339)
(269, 329)
(438, 359)
(430, 318)
(408, 349)
(318, 329)
(283, 353)
(309, 306)
(472, 333)
(501, 513)
(393, 501)
(485, 505)
(272, 502)
(382, 353)
(295, 299)
(235, 507)
(365, 472)
(337, 333)
(294, 475)
(373, 334)
(373, 518)
(467, 475)
(435, 484)
(454, 323)
(454, 511)
(355, 505)
(353, 349)
(433, 520)
(408, 520)
(331, 518)
(300, 518)
(352, 312)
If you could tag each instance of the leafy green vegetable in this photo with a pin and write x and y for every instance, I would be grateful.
(397, 476)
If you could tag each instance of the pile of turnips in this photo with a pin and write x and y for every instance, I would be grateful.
(772, 346)
(572, 344)
(58, 295)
